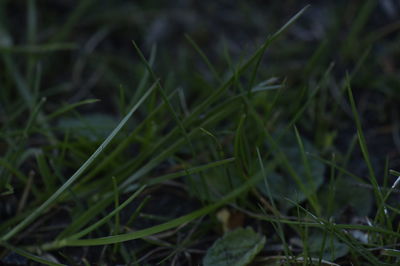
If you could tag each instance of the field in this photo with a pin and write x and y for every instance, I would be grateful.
(199, 132)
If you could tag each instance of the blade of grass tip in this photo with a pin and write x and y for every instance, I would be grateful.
(69, 107)
(347, 156)
(205, 58)
(263, 88)
(78, 173)
(360, 62)
(164, 96)
(227, 56)
(145, 76)
(215, 95)
(395, 173)
(307, 168)
(274, 37)
(290, 22)
(218, 145)
(167, 101)
(137, 211)
(164, 226)
(254, 73)
(267, 187)
(310, 98)
(363, 146)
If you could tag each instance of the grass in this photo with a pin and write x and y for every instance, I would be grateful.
(108, 158)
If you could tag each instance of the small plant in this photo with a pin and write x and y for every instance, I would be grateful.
(209, 160)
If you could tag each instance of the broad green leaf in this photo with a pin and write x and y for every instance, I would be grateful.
(281, 182)
(213, 185)
(347, 193)
(94, 127)
(330, 247)
(235, 248)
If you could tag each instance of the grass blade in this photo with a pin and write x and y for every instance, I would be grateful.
(78, 173)
(161, 227)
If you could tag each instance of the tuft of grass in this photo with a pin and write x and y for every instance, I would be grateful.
(111, 158)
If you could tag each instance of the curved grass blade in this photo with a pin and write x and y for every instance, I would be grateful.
(108, 216)
(193, 170)
(158, 228)
(367, 158)
(70, 107)
(205, 58)
(79, 172)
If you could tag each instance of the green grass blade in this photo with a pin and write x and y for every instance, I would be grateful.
(107, 217)
(70, 107)
(364, 151)
(164, 96)
(290, 22)
(85, 217)
(193, 170)
(205, 58)
(145, 77)
(78, 173)
(213, 97)
(33, 117)
(162, 227)
(290, 170)
(306, 164)
(45, 171)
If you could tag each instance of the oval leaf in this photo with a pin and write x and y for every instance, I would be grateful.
(235, 248)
